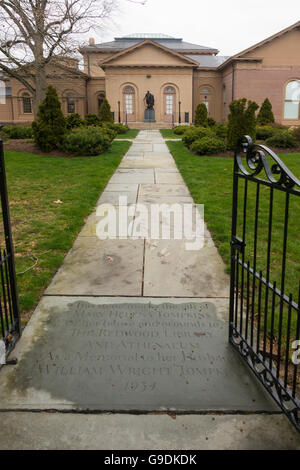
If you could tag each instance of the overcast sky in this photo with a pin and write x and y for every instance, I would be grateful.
(227, 25)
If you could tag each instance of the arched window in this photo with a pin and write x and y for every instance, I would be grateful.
(170, 103)
(27, 103)
(101, 98)
(129, 103)
(292, 100)
(71, 103)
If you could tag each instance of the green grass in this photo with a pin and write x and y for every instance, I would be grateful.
(131, 134)
(42, 228)
(169, 134)
(210, 182)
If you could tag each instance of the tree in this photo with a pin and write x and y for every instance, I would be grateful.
(50, 126)
(105, 114)
(33, 32)
(201, 115)
(241, 121)
(265, 115)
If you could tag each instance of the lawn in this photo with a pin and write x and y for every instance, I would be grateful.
(169, 134)
(210, 182)
(50, 197)
(131, 134)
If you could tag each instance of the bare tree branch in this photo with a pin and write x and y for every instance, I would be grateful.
(33, 32)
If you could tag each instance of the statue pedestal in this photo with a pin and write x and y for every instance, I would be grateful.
(149, 115)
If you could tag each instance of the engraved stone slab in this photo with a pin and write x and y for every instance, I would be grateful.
(140, 356)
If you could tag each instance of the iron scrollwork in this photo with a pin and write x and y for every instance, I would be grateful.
(257, 162)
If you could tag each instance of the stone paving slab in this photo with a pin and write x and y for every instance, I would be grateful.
(171, 270)
(96, 267)
(118, 198)
(90, 354)
(122, 187)
(168, 178)
(163, 190)
(89, 229)
(143, 163)
(133, 176)
(68, 431)
(156, 199)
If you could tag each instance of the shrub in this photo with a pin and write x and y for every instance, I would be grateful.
(180, 130)
(242, 121)
(105, 114)
(296, 133)
(50, 127)
(18, 132)
(282, 139)
(74, 120)
(109, 130)
(282, 127)
(265, 115)
(221, 130)
(92, 120)
(211, 122)
(88, 141)
(264, 132)
(201, 115)
(208, 146)
(118, 128)
(196, 134)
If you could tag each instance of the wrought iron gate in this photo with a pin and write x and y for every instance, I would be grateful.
(9, 306)
(265, 288)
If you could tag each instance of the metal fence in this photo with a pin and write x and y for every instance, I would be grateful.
(265, 288)
(10, 329)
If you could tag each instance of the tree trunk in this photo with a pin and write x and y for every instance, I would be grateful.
(40, 88)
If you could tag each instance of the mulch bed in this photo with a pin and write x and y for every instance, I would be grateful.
(20, 145)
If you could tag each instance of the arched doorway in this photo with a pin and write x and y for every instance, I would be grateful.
(129, 104)
(169, 104)
(207, 97)
(100, 98)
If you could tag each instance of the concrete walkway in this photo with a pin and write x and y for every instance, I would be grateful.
(136, 325)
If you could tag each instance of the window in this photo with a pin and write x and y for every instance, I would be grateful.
(2, 92)
(170, 99)
(27, 105)
(71, 105)
(292, 100)
(129, 97)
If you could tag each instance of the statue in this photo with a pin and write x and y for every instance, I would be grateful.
(149, 100)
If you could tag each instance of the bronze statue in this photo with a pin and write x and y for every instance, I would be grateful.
(149, 98)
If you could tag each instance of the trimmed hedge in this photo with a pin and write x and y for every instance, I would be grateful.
(208, 146)
(201, 115)
(242, 121)
(18, 132)
(88, 141)
(193, 134)
(74, 120)
(221, 130)
(265, 132)
(180, 130)
(282, 139)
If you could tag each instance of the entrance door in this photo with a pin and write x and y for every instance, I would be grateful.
(170, 104)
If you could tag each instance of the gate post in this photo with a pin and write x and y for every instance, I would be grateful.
(9, 243)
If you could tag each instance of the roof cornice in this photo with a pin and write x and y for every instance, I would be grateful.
(149, 42)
